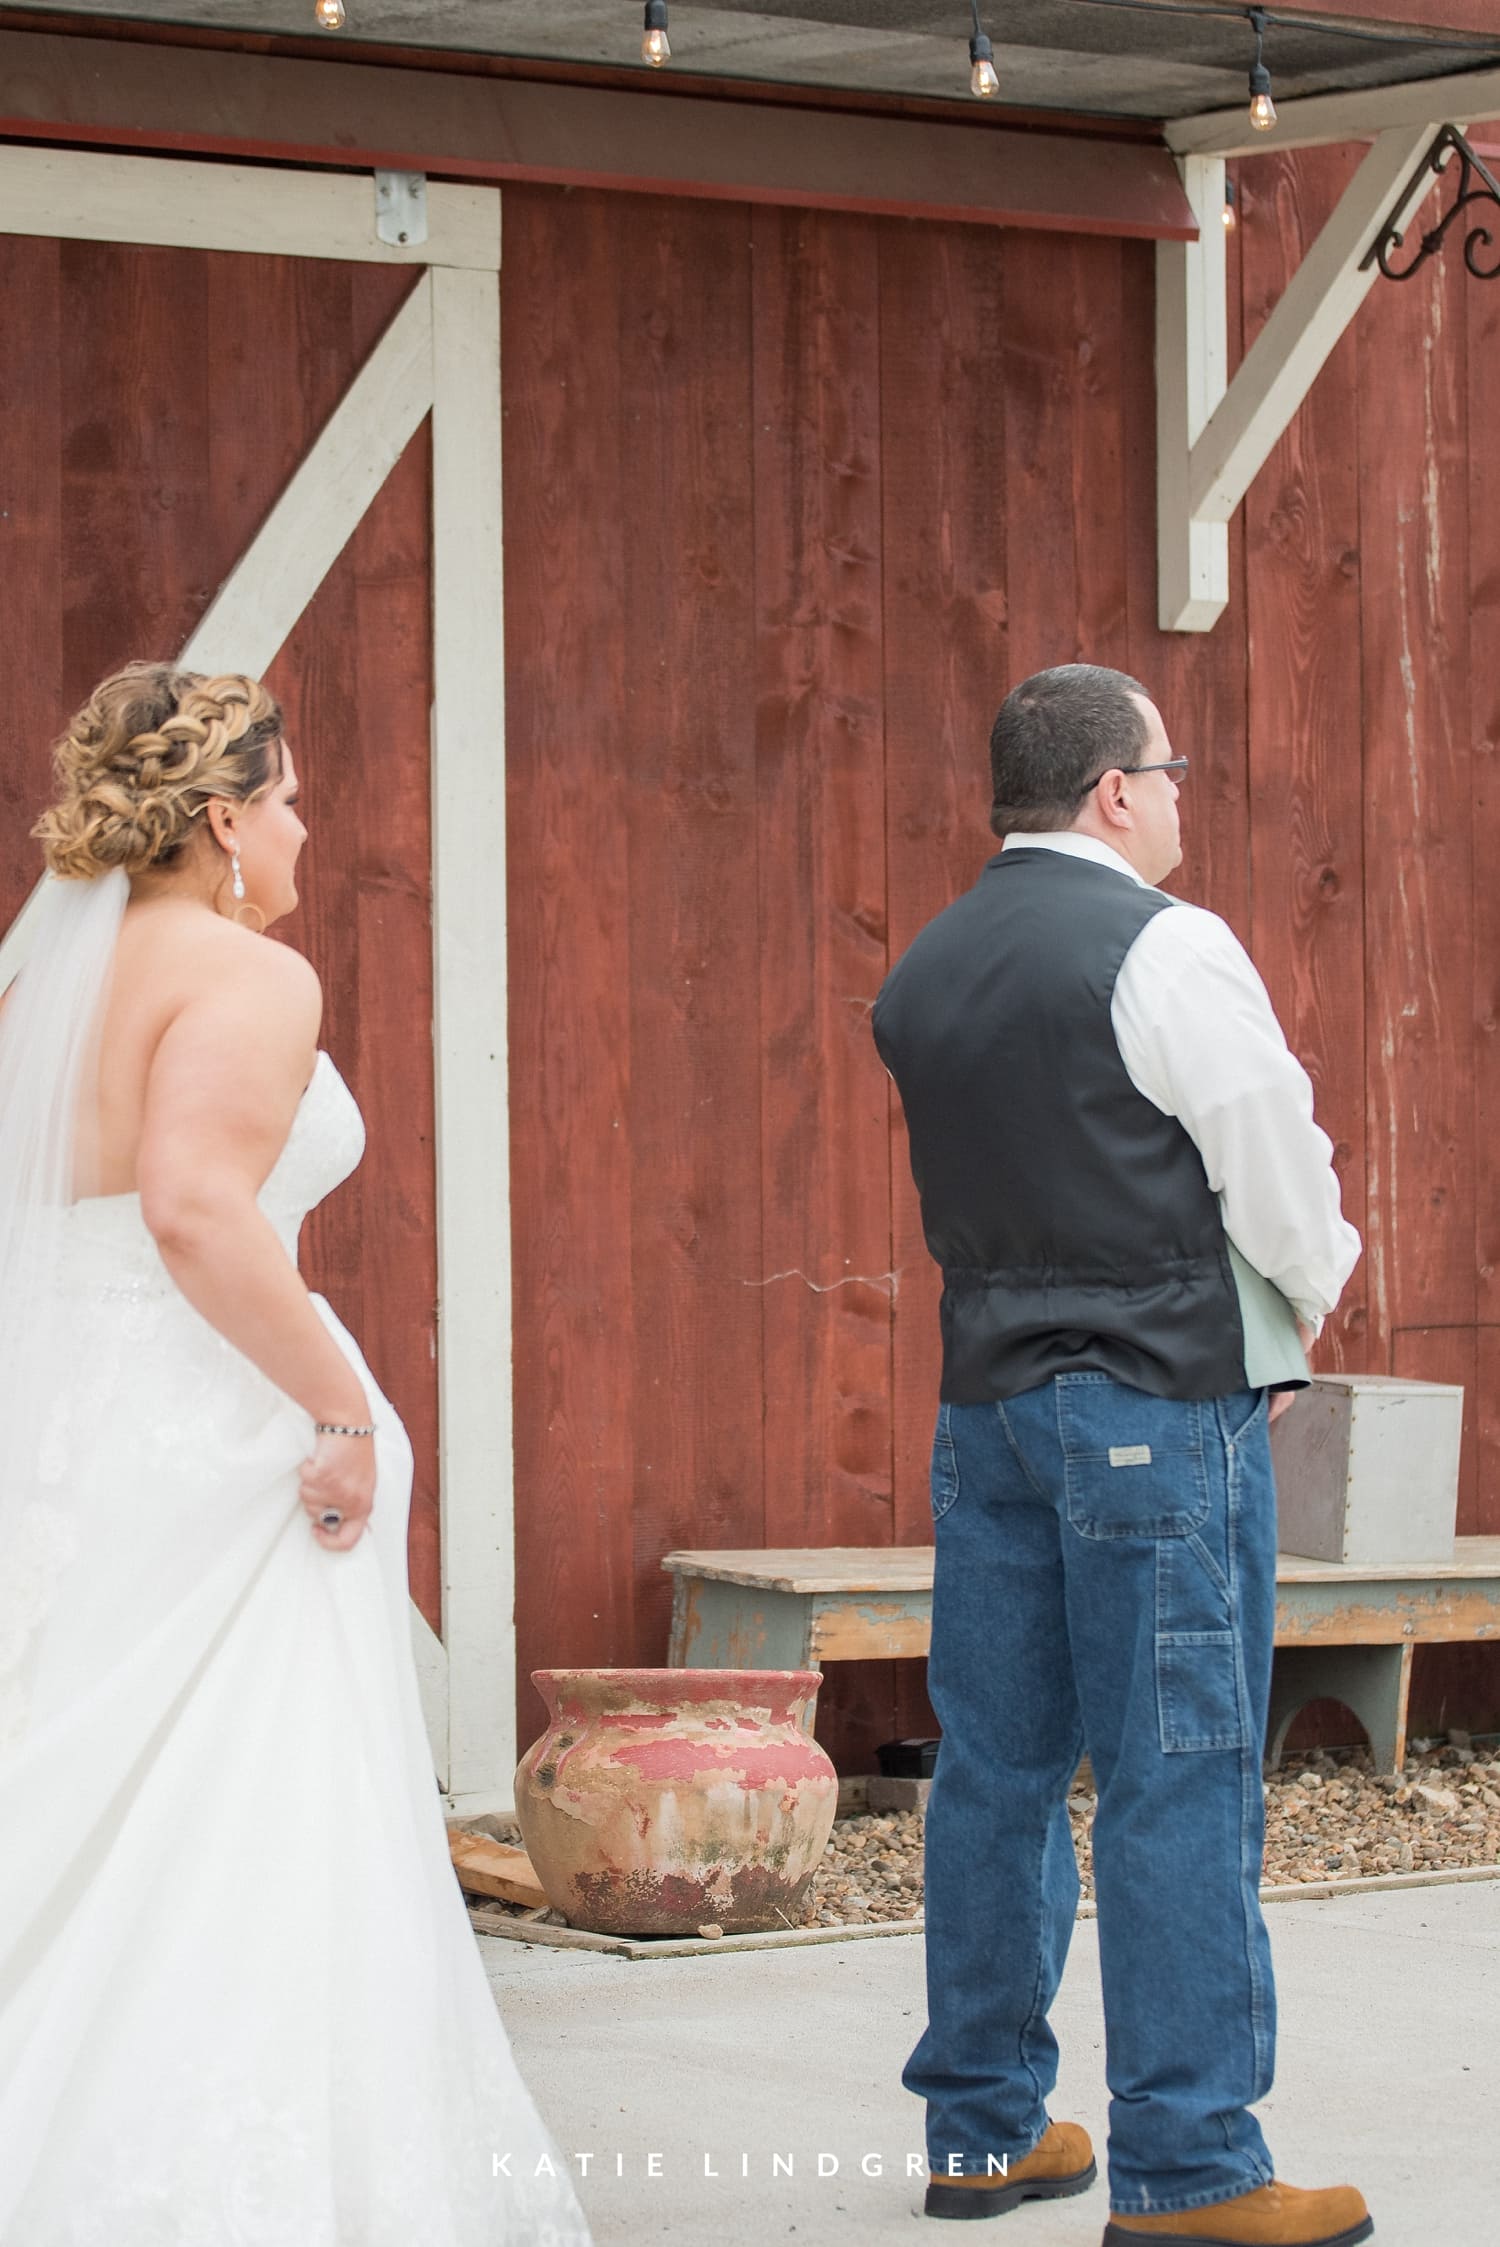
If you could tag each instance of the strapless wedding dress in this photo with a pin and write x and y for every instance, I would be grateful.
(240, 2001)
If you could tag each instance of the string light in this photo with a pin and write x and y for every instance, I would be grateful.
(656, 48)
(1230, 220)
(329, 15)
(984, 82)
(1262, 108)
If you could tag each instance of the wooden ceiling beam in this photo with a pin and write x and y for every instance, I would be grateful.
(189, 100)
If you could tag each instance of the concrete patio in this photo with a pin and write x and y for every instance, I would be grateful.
(1389, 2077)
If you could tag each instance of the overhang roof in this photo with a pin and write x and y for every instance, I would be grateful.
(1124, 58)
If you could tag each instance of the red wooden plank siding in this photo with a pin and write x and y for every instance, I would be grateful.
(146, 540)
(691, 816)
(31, 536)
(946, 668)
(826, 1284)
(1482, 315)
(1064, 446)
(1305, 731)
(358, 678)
(388, 1025)
(1418, 806)
(1041, 562)
(1197, 679)
(951, 472)
(1088, 348)
(1478, 1687)
(569, 739)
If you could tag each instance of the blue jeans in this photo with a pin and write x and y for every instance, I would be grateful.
(1105, 1579)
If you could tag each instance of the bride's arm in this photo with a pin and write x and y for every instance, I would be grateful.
(224, 1086)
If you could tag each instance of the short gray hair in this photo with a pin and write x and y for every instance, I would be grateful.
(1056, 734)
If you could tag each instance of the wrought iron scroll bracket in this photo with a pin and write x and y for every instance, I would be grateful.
(1477, 186)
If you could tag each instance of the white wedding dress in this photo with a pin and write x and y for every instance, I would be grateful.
(240, 2001)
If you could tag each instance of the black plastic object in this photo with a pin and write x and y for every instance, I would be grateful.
(907, 1759)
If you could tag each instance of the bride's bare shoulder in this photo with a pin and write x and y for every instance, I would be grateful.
(187, 955)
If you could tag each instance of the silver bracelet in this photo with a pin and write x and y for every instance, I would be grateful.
(335, 1428)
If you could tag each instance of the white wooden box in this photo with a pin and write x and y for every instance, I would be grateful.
(1367, 1469)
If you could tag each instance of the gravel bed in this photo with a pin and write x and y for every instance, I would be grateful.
(1328, 1817)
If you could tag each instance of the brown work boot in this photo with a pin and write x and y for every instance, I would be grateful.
(1061, 2162)
(1274, 2215)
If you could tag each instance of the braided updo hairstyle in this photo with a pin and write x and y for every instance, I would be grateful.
(144, 755)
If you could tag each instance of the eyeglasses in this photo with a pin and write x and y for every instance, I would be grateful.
(1176, 765)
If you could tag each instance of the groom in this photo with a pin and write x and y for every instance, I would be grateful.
(1135, 1214)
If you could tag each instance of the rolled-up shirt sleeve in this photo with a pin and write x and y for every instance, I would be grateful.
(1199, 1037)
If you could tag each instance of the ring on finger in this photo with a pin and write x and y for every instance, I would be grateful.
(330, 1518)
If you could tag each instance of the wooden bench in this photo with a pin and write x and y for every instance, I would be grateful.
(1343, 1632)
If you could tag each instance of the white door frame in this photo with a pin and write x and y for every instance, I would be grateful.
(440, 357)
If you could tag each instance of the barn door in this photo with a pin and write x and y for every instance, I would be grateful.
(229, 436)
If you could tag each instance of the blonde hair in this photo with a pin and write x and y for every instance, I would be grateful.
(145, 754)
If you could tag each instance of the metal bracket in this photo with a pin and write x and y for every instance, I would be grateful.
(1449, 142)
(401, 208)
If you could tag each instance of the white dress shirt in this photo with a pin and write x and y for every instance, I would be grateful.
(1198, 1037)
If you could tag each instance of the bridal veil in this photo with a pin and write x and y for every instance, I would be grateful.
(48, 1036)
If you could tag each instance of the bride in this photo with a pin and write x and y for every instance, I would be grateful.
(240, 2001)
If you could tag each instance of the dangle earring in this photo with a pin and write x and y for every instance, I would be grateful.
(239, 879)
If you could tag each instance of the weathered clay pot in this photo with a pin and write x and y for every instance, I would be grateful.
(661, 1801)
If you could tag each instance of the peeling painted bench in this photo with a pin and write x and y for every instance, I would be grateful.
(1342, 1632)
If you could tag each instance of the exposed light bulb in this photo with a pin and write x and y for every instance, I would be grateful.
(656, 48)
(329, 15)
(1262, 108)
(1229, 210)
(984, 82)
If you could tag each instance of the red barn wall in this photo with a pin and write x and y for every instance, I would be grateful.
(791, 499)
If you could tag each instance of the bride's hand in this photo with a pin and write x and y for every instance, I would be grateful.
(341, 1473)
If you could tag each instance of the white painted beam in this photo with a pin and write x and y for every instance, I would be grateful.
(1192, 366)
(252, 615)
(1212, 438)
(1321, 299)
(476, 1455)
(1314, 120)
(276, 213)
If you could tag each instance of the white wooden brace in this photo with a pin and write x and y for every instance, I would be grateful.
(1213, 435)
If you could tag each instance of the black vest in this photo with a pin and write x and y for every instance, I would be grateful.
(1073, 1221)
